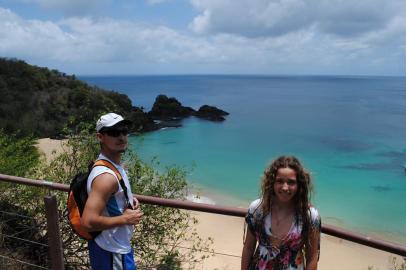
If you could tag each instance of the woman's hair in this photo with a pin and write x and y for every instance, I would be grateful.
(302, 196)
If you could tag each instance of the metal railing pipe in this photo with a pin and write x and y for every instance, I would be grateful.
(241, 212)
(394, 248)
(387, 246)
(32, 182)
(188, 205)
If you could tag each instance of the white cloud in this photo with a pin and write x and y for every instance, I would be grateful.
(86, 42)
(278, 17)
(393, 33)
(22, 38)
(201, 23)
(106, 46)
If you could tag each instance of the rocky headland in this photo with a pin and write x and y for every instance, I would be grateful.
(49, 103)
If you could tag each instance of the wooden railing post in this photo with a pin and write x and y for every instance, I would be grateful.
(54, 236)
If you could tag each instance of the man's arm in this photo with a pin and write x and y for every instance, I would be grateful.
(103, 186)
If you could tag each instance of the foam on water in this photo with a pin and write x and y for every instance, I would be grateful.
(200, 199)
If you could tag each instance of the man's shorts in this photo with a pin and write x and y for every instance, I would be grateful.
(101, 259)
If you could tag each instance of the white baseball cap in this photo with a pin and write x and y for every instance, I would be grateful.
(109, 120)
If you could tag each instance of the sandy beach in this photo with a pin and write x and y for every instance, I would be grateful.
(227, 232)
(336, 254)
(50, 148)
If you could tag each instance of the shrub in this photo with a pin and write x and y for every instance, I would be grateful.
(17, 155)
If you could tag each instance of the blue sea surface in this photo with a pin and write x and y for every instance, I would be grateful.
(350, 132)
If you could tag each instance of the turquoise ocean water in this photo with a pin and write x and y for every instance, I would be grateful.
(350, 132)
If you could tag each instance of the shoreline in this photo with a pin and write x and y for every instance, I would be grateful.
(215, 196)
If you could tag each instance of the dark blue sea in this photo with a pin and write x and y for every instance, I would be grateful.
(349, 131)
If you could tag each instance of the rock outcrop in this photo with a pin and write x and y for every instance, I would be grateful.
(167, 109)
(170, 111)
(211, 113)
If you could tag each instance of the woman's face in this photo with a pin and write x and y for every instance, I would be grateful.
(285, 185)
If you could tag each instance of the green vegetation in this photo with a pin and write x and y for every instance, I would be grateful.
(17, 155)
(23, 227)
(48, 103)
(165, 239)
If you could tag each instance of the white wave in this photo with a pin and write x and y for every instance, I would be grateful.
(200, 199)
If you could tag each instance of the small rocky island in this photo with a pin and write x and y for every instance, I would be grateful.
(168, 111)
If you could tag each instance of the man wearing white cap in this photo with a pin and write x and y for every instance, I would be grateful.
(111, 207)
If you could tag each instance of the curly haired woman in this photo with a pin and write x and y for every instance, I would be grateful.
(283, 223)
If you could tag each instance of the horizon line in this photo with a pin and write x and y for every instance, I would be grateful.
(240, 74)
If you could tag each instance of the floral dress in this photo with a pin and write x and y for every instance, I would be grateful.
(288, 253)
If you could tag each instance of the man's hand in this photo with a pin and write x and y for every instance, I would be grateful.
(132, 217)
(136, 203)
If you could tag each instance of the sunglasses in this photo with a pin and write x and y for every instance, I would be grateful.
(116, 132)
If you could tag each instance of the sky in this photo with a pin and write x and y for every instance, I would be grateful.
(271, 37)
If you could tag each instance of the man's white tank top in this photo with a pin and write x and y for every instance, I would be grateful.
(117, 239)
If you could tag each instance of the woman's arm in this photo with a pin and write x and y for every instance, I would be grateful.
(248, 250)
(312, 252)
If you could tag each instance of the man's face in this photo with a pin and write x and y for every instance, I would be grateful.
(115, 138)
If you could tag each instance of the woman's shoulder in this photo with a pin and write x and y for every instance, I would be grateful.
(254, 205)
(314, 216)
(313, 211)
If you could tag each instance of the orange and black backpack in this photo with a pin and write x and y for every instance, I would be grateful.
(77, 198)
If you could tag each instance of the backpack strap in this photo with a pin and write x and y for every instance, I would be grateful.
(108, 164)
